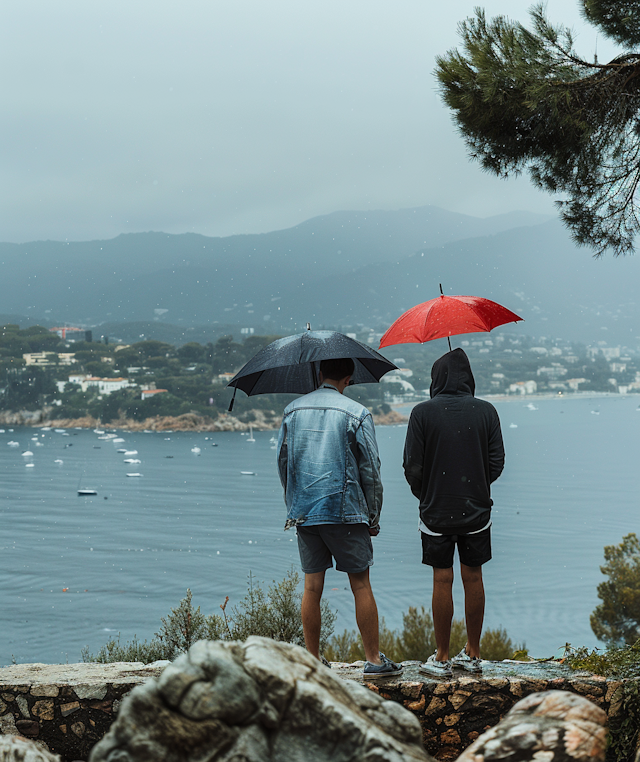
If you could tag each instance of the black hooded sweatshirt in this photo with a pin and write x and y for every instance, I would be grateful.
(453, 450)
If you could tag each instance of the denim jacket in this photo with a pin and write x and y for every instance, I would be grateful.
(328, 461)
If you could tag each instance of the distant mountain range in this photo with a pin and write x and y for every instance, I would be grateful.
(346, 268)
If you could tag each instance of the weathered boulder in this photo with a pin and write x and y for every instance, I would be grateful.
(554, 725)
(18, 749)
(257, 701)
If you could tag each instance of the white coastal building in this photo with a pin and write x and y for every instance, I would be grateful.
(104, 385)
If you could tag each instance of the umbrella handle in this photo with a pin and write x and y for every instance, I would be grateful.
(233, 399)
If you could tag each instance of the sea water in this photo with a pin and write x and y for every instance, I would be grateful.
(75, 571)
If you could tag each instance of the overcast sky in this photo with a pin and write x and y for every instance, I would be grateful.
(235, 117)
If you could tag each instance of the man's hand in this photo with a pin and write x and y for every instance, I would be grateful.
(374, 531)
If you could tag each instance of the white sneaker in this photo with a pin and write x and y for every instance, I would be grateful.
(436, 668)
(466, 662)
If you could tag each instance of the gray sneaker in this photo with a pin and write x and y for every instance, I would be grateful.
(466, 662)
(388, 668)
(436, 668)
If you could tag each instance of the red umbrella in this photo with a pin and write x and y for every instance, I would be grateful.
(447, 316)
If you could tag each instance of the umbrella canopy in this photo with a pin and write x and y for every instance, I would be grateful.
(447, 316)
(292, 364)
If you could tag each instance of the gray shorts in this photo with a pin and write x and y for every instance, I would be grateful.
(349, 544)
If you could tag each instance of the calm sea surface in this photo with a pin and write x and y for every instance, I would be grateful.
(75, 571)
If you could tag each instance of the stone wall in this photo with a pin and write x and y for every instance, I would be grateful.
(453, 713)
(68, 708)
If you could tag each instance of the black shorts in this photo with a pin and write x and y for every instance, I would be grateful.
(349, 544)
(474, 549)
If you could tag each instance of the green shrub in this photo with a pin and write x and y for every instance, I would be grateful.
(132, 651)
(273, 614)
(416, 640)
(621, 661)
(618, 662)
(616, 621)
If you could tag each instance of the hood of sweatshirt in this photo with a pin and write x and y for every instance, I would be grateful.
(451, 374)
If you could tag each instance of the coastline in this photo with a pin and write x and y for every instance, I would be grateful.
(261, 421)
(407, 407)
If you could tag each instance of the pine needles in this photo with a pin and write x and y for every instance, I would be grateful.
(525, 100)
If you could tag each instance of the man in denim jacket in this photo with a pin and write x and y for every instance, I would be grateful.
(330, 470)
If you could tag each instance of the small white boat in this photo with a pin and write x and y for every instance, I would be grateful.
(250, 438)
(39, 444)
(87, 491)
(98, 431)
(132, 460)
(531, 406)
(196, 450)
(29, 465)
(595, 412)
(34, 439)
(27, 454)
(46, 428)
(60, 431)
(1, 431)
(513, 425)
(118, 440)
(121, 449)
(59, 461)
(248, 473)
(130, 452)
(136, 474)
(13, 444)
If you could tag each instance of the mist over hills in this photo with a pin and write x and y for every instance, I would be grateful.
(559, 289)
(345, 268)
(195, 279)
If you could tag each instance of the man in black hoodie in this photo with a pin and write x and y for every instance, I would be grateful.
(453, 452)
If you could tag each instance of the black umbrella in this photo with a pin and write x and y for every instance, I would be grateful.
(292, 364)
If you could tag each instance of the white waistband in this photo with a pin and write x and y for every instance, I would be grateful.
(425, 529)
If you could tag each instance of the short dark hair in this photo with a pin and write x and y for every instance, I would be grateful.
(337, 369)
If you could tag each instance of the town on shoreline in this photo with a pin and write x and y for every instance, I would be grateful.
(49, 379)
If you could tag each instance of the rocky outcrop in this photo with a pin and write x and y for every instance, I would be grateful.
(453, 713)
(18, 749)
(546, 727)
(22, 417)
(392, 418)
(68, 708)
(260, 420)
(257, 701)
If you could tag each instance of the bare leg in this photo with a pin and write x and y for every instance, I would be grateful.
(442, 606)
(366, 615)
(310, 610)
(473, 606)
